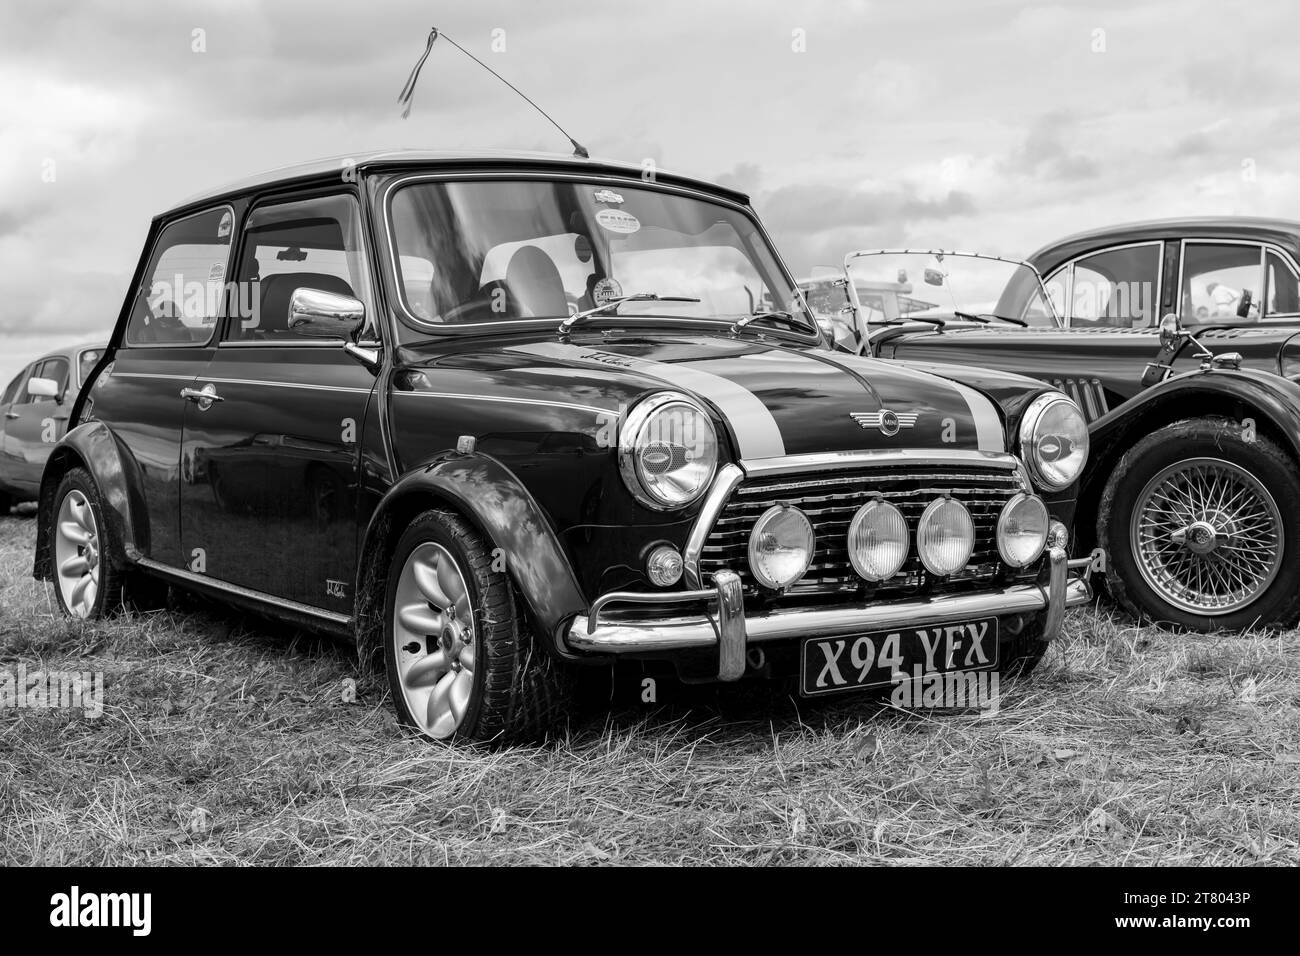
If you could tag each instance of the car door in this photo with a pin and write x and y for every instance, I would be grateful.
(33, 423)
(269, 503)
(166, 344)
(9, 469)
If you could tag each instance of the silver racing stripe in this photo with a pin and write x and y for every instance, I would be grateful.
(756, 431)
(989, 433)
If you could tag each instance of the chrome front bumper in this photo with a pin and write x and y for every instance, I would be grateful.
(724, 624)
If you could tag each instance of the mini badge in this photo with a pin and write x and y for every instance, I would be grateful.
(618, 221)
(888, 421)
(605, 291)
(608, 196)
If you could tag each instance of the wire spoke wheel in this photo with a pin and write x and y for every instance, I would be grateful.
(77, 554)
(1207, 536)
(434, 640)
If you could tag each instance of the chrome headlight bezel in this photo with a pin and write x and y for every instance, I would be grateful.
(1030, 422)
(924, 551)
(1018, 500)
(861, 517)
(629, 464)
(809, 545)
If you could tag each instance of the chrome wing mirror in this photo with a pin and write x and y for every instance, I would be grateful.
(325, 315)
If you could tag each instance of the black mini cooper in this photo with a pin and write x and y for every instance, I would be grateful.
(497, 415)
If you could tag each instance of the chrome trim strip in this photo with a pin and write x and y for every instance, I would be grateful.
(645, 597)
(824, 461)
(724, 483)
(204, 581)
(698, 631)
(156, 375)
(303, 385)
(514, 401)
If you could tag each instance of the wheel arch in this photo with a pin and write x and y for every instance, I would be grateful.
(489, 496)
(93, 447)
(1271, 403)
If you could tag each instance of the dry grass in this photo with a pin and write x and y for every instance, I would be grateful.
(224, 741)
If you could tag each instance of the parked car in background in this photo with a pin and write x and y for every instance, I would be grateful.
(34, 415)
(1191, 479)
(510, 486)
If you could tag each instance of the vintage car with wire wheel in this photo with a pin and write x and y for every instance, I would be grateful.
(500, 416)
(1195, 418)
(34, 411)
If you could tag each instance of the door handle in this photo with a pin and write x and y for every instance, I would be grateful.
(12, 415)
(203, 397)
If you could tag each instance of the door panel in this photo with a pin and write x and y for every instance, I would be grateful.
(31, 427)
(271, 469)
(140, 395)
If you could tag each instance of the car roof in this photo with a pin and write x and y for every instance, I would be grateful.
(447, 159)
(1281, 232)
(70, 350)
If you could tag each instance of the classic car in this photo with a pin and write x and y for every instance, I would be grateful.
(1188, 479)
(34, 415)
(668, 473)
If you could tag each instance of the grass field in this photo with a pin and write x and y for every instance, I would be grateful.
(226, 740)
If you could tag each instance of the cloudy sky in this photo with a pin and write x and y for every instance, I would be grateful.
(988, 125)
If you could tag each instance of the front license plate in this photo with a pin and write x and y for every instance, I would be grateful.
(831, 664)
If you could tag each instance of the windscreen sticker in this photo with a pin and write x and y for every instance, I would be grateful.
(223, 227)
(216, 272)
(616, 220)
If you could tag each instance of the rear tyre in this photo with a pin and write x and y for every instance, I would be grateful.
(87, 582)
(1201, 528)
(461, 660)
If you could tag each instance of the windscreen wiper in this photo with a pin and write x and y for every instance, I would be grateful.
(612, 306)
(787, 317)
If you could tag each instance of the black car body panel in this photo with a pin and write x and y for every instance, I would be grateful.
(279, 471)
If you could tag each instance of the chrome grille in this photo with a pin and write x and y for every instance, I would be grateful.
(830, 501)
(1087, 394)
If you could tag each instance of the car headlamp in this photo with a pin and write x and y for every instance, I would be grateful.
(1054, 441)
(667, 451)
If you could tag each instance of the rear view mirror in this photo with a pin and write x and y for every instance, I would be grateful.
(42, 388)
(325, 315)
(933, 277)
(1171, 333)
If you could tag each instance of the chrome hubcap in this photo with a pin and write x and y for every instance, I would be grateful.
(434, 640)
(76, 554)
(1207, 536)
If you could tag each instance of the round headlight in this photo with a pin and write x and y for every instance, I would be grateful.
(667, 451)
(780, 546)
(878, 541)
(1054, 441)
(945, 536)
(1022, 530)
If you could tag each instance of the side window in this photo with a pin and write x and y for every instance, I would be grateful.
(1283, 289)
(86, 364)
(56, 370)
(13, 392)
(310, 244)
(185, 282)
(1222, 283)
(1039, 313)
(1116, 288)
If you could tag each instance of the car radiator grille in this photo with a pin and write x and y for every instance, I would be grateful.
(830, 503)
(1087, 394)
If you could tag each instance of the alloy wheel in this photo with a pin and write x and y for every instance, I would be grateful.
(434, 640)
(77, 554)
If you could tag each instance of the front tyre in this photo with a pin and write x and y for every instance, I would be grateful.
(87, 583)
(460, 659)
(1199, 524)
